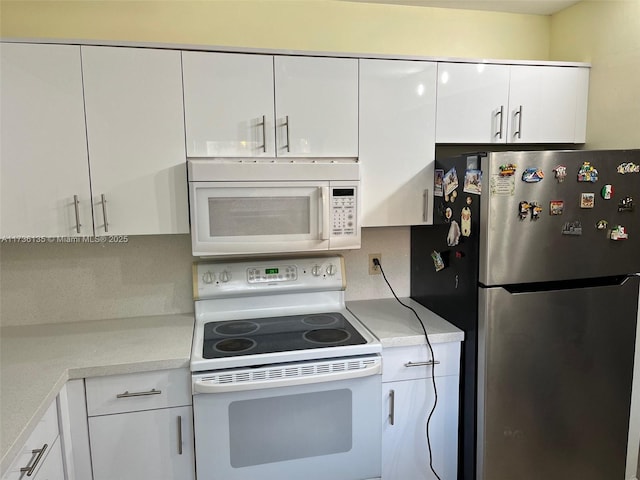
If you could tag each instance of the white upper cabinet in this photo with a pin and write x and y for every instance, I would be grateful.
(483, 103)
(135, 130)
(397, 141)
(250, 105)
(316, 106)
(472, 103)
(229, 104)
(43, 151)
(547, 104)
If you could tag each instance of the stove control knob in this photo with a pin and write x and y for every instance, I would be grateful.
(331, 270)
(225, 276)
(207, 277)
(315, 270)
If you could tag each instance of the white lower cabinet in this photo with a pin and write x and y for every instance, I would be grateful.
(408, 397)
(40, 457)
(141, 426)
(150, 444)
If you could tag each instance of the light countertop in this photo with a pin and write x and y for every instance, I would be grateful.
(37, 360)
(397, 326)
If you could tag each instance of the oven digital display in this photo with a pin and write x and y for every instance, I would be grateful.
(271, 271)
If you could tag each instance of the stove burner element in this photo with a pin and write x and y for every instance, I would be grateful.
(327, 335)
(320, 320)
(235, 345)
(236, 328)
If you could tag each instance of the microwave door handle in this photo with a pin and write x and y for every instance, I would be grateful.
(325, 213)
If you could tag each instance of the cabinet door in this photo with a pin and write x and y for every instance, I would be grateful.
(404, 443)
(397, 141)
(154, 444)
(228, 102)
(52, 468)
(544, 102)
(43, 149)
(135, 129)
(472, 103)
(316, 106)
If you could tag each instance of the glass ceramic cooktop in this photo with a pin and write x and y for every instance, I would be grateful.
(278, 334)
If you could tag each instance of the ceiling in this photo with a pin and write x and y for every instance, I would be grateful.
(532, 7)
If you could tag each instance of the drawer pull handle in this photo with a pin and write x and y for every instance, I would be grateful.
(40, 452)
(179, 434)
(126, 394)
(392, 407)
(422, 364)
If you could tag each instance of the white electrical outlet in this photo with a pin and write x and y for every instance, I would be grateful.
(374, 269)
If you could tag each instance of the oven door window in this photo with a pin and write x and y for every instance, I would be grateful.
(268, 430)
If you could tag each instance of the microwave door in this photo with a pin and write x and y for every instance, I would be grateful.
(258, 217)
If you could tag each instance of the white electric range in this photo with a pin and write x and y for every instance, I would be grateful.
(286, 381)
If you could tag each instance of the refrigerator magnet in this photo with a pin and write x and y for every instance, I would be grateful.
(450, 181)
(523, 210)
(602, 225)
(619, 233)
(556, 207)
(572, 228)
(473, 182)
(607, 192)
(438, 264)
(536, 210)
(560, 172)
(465, 222)
(587, 200)
(502, 185)
(532, 175)
(629, 167)
(625, 205)
(507, 170)
(453, 237)
(448, 213)
(437, 183)
(587, 173)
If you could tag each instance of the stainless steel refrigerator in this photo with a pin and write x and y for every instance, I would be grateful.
(535, 256)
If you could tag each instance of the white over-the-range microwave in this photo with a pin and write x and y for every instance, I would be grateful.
(250, 206)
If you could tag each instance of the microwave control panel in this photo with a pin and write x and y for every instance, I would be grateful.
(343, 211)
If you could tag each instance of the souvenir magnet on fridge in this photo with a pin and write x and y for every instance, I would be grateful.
(560, 172)
(437, 261)
(453, 237)
(532, 175)
(626, 204)
(587, 173)
(619, 233)
(572, 228)
(450, 181)
(587, 200)
(607, 192)
(536, 210)
(556, 207)
(465, 222)
(602, 225)
(523, 210)
(448, 213)
(629, 167)
(507, 170)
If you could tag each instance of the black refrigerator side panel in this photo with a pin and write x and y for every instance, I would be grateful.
(452, 292)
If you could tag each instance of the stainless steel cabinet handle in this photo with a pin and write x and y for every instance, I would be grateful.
(104, 212)
(264, 133)
(425, 205)
(422, 364)
(392, 407)
(518, 132)
(179, 434)
(501, 113)
(286, 122)
(32, 468)
(76, 204)
(127, 394)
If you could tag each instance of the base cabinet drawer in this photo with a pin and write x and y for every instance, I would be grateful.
(41, 457)
(155, 444)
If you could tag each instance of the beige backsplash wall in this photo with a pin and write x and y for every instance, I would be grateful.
(149, 275)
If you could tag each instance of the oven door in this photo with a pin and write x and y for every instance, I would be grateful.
(259, 217)
(287, 426)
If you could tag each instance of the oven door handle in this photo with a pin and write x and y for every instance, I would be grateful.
(202, 385)
(325, 213)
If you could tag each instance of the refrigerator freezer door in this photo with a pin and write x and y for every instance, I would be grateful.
(554, 373)
(546, 247)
